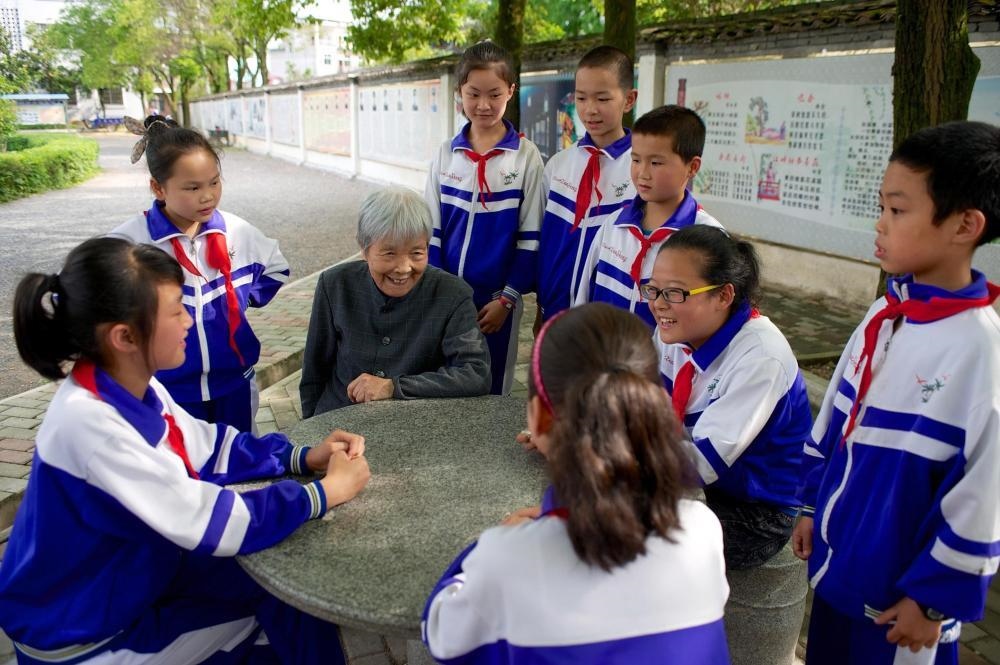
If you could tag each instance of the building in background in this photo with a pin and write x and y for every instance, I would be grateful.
(318, 49)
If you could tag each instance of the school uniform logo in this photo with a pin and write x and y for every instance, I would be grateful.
(621, 189)
(615, 252)
(449, 175)
(712, 386)
(509, 176)
(930, 387)
(565, 183)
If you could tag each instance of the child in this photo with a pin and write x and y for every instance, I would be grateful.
(590, 181)
(666, 153)
(900, 473)
(123, 546)
(484, 192)
(618, 566)
(734, 382)
(228, 266)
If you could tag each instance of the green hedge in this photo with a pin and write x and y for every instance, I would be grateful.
(48, 161)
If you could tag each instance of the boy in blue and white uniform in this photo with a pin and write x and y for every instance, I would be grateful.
(667, 144)
(585, 184)
(900, 473)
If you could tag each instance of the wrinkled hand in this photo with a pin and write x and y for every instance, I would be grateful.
(802, 538)
(912, 628)
(521, 515)
(492, 316)
(368, 388)
(318, 457)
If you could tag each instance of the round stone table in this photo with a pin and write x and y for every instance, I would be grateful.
(443, 470)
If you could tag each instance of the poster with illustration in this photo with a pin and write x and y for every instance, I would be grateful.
(255, 109)
(548, 113)
(399, 122)
(234, 116)
(327, 119)
(285, 119)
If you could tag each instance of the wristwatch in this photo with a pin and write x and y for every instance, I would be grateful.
(506, 302)
(930, 613)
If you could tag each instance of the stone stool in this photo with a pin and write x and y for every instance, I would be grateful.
(765, 610)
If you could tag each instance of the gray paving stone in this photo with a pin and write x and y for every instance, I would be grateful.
(359, 643)
(13, 485)
(8, 470)
(23, 423)
(22, 412)
(988, 648)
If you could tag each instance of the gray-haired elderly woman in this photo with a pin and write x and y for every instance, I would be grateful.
(391, 326)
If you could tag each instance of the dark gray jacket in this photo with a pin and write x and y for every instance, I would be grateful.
(427, 342)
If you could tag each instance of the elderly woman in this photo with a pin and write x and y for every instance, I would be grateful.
(391, 326)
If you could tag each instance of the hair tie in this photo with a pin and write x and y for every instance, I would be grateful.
(50, 298)
(137, 127)
(536, 362)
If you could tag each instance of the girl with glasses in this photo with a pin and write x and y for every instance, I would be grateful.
(735, 385)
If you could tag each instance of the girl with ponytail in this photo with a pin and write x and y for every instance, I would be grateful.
(735, 385)
(136, 485)
(618, 565)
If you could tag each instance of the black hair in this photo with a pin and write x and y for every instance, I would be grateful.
(724, 260)
(962, 164)
(616, 457)
(682, 125)
(485, 55)
(613, 59)
(166, 142)
(104, 280)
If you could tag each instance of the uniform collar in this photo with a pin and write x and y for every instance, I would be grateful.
(685, 214)
(510, 141)
(614, 150)
(160, 226)
(713, 347)
(905, 288)
(145, 415)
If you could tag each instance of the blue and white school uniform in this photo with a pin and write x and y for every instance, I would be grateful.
(216, 381)
(120, 554)
(748, 415)
(622, 255)
(521, 595)
(565, 241)
(486, 216)
(908, 504)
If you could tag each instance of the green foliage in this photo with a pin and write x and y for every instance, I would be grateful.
(59, 162)
(657, 11)
(8, 120)
(386, 30)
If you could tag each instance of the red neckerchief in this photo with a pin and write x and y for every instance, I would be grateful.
(658, 235)
(588, 186)
(683, 382)
(217, 255)
(85, 373)
(919, 311)
(480, 161)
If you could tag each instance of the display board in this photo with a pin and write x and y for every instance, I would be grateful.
(285, 119)
(328, 120)
(400, 122)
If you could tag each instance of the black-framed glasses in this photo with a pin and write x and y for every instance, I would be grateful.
(651, 293)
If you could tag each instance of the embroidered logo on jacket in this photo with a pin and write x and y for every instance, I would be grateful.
(621, 189)
(929, 387)
(509, 176)
(451, 176)
(565, 183)
(712, 386)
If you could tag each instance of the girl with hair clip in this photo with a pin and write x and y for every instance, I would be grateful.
(228, 266)
(485, 195)
(618, 565)
(735, 385)
(136, 485)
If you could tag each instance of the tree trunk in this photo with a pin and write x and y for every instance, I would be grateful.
(619, 31)
(934, 69)
(510, 35)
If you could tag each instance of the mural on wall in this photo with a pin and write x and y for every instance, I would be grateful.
(255, 112)
(548, 113)
(328, 120)
(813, 150)
(285, 119)
(400, 122)
(234, 116)
(213, 115)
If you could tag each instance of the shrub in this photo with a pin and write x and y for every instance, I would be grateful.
(8, 121)
(48, 162)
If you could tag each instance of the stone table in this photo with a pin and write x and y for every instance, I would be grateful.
(443, 470)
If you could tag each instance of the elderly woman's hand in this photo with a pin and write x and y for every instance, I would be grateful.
(368, 388)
